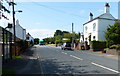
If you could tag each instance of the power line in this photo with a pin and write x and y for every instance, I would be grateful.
(57, 10)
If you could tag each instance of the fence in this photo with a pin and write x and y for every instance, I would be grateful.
(5, 43)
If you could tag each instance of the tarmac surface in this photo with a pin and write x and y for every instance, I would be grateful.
(30, 64)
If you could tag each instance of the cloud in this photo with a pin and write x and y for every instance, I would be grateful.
(41, 33)
(82, 11)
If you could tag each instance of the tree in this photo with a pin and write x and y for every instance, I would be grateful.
(58, 39)
(113, 34)
(49, 40)
(58, 32)
(36, 40)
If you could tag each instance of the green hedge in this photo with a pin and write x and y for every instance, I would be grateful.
(97, 45)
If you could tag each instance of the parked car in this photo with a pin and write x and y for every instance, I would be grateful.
(67, 46)
(42, 43)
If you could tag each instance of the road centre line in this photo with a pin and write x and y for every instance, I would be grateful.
(64, 53)
(105, 67)
(76, 57)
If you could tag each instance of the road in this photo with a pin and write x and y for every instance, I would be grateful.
(56, 61)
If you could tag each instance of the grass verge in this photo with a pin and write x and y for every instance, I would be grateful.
(17, 57)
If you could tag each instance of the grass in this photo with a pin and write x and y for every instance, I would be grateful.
(8, 71)
(17, 57)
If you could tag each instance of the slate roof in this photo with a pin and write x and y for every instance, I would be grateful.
(99, 17)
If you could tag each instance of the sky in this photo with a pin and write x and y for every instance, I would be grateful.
(42, 19)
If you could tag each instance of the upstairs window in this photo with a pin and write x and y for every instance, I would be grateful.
(94, 27)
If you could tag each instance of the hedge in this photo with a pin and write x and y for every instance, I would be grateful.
(97, 45)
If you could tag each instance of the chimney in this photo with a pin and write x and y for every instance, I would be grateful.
(91, 16)
(107, 8)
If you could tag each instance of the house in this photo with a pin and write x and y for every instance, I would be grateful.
(96, 27)
(20, 31)
(29, 38)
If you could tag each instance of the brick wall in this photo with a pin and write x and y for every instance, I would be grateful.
(113, 51)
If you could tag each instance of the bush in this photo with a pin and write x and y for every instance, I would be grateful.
(97, 45)
(115, 47)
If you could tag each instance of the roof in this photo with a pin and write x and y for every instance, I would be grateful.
(99, 17)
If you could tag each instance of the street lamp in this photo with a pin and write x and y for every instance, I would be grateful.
(12, 3)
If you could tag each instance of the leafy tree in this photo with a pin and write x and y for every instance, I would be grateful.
(36, 40)
(58, 39)
(58, 32)
(113, 34)
(65, 32)
(49, 40)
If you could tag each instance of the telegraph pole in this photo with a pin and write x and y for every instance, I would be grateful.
(13, 12)
(72, 35)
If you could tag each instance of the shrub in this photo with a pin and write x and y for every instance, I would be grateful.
(97, 45)
(115, 47)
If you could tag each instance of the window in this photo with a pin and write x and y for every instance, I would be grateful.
(93, 37)
(86, 29)
(94, 27)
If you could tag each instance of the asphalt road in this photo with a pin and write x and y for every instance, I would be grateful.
(56, 61)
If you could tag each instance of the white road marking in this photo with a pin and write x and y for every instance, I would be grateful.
(76, 57)
(105, 67)
(71, 55)
(32, 58)
(38, 57)
(64, 53)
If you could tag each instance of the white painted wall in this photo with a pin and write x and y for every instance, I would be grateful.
(24, 34)
(102, 28)
(90, 30)
(20, 32)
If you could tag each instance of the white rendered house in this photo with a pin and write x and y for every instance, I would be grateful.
(95, 28)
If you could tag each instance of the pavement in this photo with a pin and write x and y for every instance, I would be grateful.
(29, 64)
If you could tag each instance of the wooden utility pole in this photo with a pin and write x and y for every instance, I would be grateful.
(72, 35)
(13, 12)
